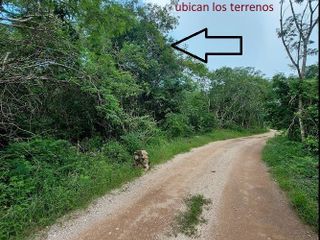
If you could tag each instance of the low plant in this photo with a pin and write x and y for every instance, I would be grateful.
(43, 179)
(188, 220)
(296, 170)
(177, 125)
(115, 152)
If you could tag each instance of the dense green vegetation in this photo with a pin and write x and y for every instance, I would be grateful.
(83, 84)
(79, 94)
(112, 76)
(48, 177)
(188, 220)
(294, 162)
(296, 171)
(293, 107)
(283, 103)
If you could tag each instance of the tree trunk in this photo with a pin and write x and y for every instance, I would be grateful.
(300, 112)
(300, 103)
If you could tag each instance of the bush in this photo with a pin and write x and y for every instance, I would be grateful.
(116, 152)
(30, 171)
(176, 125)
(158, 140)
(207, 122)
(91, 144)
(132, 141)
(312, 144)
(195, 107)
(144, 127)
(43, 179)
(142, 130)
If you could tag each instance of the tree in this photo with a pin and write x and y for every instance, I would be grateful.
(70, 75)
(39, 64)
(295, 32)
(237, 97)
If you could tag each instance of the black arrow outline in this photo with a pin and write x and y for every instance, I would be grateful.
(174, 45)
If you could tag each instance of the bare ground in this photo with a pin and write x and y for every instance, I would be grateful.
(246, 203)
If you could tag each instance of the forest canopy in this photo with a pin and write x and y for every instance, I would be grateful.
(72, 76)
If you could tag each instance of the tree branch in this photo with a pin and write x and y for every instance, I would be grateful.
(284, 42)
(299, 28)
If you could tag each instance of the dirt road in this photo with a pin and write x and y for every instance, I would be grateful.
(246, 203)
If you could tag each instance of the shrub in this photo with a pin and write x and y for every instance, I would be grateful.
(145, 127)
(177, 125)
(207, 122)
(158, 140)
(91, 144)
(30, 173)
(42, 179)
(144, 124)
(132, 141)
(312, 144)
(116, 152)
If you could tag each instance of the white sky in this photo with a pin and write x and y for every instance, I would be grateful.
(262, 49)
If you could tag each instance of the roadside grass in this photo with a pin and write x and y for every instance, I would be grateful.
(296, 171)
(59, 197)
(188, 220)
(44, 179)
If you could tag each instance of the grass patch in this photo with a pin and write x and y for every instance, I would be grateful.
(43, 179)
(188, 220)
(295, 169)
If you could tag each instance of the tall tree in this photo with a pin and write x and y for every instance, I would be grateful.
(295, 32)
(237, 97)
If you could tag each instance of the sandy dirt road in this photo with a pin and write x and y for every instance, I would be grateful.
(246, 203)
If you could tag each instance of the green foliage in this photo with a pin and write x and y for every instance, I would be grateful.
(75, 75)
(312, 144)
(196, 108)
(282, 104)
(44, 178)
(237, 97)
(296, 171)
(91, 144)
(115, 152)
(280, 112)
(132, 141)
(95, 81)
(177, 125)
(141, 131)
(188, 220)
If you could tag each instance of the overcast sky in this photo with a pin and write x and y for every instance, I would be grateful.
(262, 49)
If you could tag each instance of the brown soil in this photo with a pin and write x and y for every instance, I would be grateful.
(253, 207)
